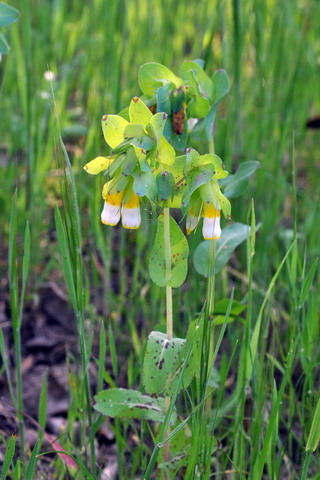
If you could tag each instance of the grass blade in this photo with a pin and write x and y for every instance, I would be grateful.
(8, 457)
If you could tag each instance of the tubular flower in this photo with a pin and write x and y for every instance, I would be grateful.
(110, 214)
(192, 221)
(115, 206)
(131, 217)
(211, 222)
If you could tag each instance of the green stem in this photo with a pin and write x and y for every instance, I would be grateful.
(169, 315)
(167, 246)
(210, 309)
(305, 467)
(210, 304)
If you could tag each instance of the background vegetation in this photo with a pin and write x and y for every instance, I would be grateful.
(271, 51)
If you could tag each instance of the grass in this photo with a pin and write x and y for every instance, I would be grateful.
(263, 403)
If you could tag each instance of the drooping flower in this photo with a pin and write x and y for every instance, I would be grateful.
(192, 221)
(211, 229)
(203, 196)
(125, 204)
(131, 216)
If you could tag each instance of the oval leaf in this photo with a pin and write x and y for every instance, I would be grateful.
(113, 128)
(236, 184)
(8, 14)
(139, 113)
(179, 256)
(231, 237)
(153, 75)
(161, 360)
(119, 402)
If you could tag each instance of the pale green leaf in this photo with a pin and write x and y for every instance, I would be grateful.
(179, 256)
(139, 113)
(161, 360)
(119, 402)
(113, 127)
(236, 184)
(231, 237)
(165, 153)
(156, 125)
(153, 75)
(8, 14)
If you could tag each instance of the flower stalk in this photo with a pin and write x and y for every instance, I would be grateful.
(169, 314)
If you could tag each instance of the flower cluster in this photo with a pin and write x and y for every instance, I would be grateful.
(144, 139)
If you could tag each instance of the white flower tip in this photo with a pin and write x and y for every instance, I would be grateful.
(211, 228)
(131, 218)
(110, 214)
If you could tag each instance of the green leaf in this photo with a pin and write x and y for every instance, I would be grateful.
(231, 237)
(153, 75)
(307, 282)
(156, 125)
(164, 361)
(11, 446)
(179, 256)
(132, 131)
(161, 360)
(204, 128)
(180, 182)
(144, 184)
(314, 435)
(224, 202)
(4, 46)
(8, 14)
(124, 113)
(98, 164)
(130, 162)
(236, 184)
(165, 153)
(221, 85)
(163, 98)
(113, 127)
(196, 177)
(165, 182)
(221, 307)
(119, 402)
(208, 158)
(203, 81)
(178, 141)
(139, 113)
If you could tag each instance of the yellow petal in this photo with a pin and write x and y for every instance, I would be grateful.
(132, 202)
(111, 197)
(98, 164)
(209, 211)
